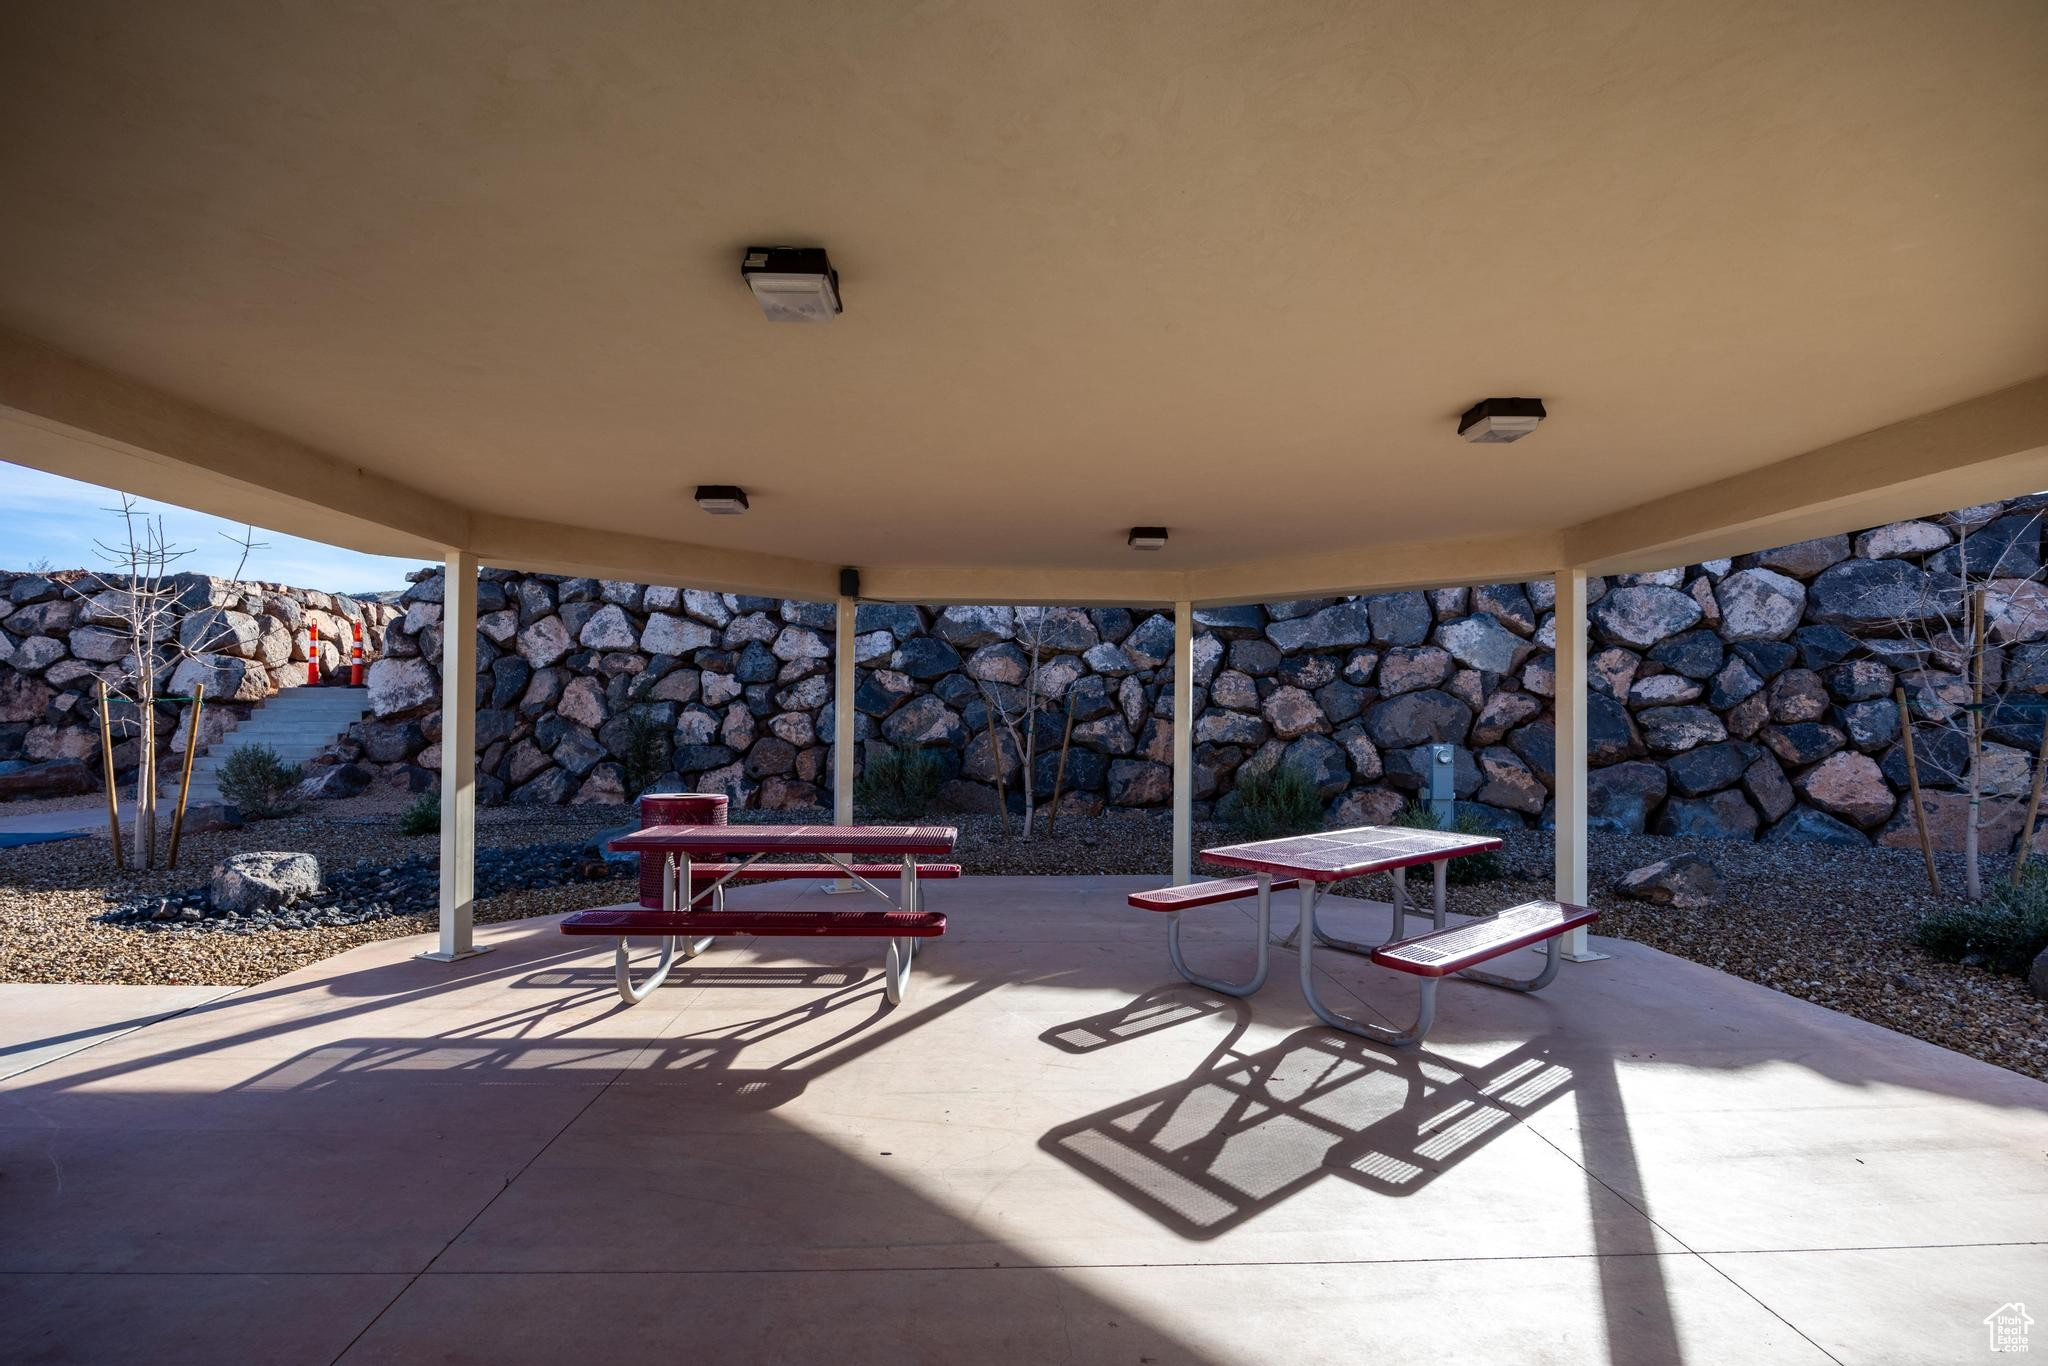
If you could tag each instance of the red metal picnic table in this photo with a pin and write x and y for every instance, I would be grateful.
(1316, 861)
(680, 847)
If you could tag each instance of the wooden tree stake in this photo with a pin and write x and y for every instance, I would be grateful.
(1913, 790)
(107, 770)
(185, 778)
(1059, 774)
(2019, 861)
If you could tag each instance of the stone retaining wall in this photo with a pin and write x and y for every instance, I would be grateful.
(60, 635)
(1744, 699)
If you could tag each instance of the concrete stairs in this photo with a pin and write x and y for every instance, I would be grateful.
(297, 723)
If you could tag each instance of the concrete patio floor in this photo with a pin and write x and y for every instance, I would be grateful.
(1052, 1152)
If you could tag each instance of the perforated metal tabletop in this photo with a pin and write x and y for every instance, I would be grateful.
(919, 841)
(1333, 855)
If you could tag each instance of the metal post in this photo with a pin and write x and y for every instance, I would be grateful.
(846, 620)
(1569, 674)
(1183, 743)
(458, 759)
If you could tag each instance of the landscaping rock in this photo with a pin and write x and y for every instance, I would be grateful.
(1685, 881)
(1642, 616)
(246, 884)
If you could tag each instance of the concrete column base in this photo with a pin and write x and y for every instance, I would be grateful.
(437, 956)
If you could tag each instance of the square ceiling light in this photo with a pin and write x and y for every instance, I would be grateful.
(725, 500)
(792, 284)
(1492, 421)
(1147, 538)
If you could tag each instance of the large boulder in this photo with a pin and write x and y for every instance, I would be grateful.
(970, 628)
(1808, 826)
(544, 641)
(226, 678)
(1400, 618)
(1723, 816)
(669, 634)
(1804, 559)
(262, 880)
(1292, 712)
(1481, 642)
(220, 630)
(1428, 716)
(1620, 797)
(401, 685)
(63, 778)
(1760, 604)
(1874, 593)
(1848, 785)
(1321, 761)
(1340, 627)
(332, 783)
(1408, 668)
(1139, 782)
(2009, 547)
(1685, 881)
(1642, 615)
(1671, 730)
(1903, 540)
(1804, 742)
(924, 721)
(1709, 768)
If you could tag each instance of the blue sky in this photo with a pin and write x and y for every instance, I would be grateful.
(47, 517)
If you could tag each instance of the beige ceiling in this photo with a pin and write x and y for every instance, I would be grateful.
(1230, 268)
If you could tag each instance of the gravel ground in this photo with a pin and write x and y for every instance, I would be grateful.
(1830, 925)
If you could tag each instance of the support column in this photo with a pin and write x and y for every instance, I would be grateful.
(458, 759)
(1183, 743)
(844, 750)
(842, 712)
(1570, 760)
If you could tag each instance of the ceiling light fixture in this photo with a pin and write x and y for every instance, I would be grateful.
(1492, 421)
(1147, 538)
(792, 284)
(726, 500)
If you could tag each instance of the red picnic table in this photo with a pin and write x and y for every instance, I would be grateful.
(695, 862)
(1313, 862)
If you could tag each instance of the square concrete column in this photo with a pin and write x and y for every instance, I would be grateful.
(1569, 792)
(1183, 742)
(842, 712)
(458, 759)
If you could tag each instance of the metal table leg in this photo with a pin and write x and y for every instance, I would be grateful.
(1258, 978)
(1425, 1015)
(1352, 945)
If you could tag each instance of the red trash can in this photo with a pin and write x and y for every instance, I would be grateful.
(674, 808)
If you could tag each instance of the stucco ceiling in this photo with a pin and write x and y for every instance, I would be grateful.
(1231, 269)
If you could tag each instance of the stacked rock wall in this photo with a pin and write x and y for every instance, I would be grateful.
(1739, 699)
(60, 635)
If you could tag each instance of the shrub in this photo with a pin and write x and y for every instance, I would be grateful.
(898, 783)
(255, 779)
(2005, 932)
(423, 817)
(1280, 801)
(647, 751)
(1469, 868)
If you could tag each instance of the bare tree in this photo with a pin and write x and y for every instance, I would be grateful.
(135, 592)
(1016, 712)
(1962, 674)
